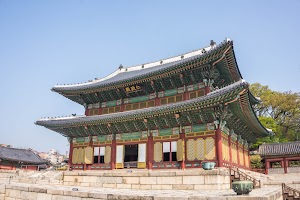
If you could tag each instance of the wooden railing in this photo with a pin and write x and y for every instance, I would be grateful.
(236, 174)
(289, 193)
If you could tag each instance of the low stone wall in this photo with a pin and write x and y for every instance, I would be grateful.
(276, 170)
(158, 180)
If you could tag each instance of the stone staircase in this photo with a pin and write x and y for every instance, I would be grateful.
(237, 174)
(289, 193)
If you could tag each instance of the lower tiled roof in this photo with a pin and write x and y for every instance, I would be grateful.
(20, 155)
(217, 94)
(287, 148)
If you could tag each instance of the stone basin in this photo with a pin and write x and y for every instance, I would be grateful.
(242, 187)
(208, 165)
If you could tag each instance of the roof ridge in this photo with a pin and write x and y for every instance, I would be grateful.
(158, 63)
(280, 143)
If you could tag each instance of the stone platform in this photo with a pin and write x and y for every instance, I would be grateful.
(135, 184)
(22, 191)
(196, 179)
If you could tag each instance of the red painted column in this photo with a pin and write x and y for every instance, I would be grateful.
(218, 139)
(186, 96)
(113, 153)
(230, 153)
(157, 101)
(267, 166)
(238, 153)
(285, 165)
(182, 136)
(122, 108)
(150, 150)
(244, 156)
(86, 112)
(249, 163)
(70, 154)
(206, 90)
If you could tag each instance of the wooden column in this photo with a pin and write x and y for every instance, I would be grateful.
(122, 107)
(285, 165)
(186, 95)
(157, 101)
(238, 153)
(150, 151)
(218, 139)
(70, 154)
(100, 111)
(267, 166)
(182, 136)
(249, 163)
(206, 90)
(244, 156)
(113, 153)
(230, 153)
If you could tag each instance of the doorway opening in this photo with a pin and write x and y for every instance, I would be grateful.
(131, 156)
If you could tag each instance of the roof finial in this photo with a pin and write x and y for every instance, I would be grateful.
(120, 67)
(212, 43)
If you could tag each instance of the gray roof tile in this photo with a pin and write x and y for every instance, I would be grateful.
(287, 148)
(20, 155)
(145, 111)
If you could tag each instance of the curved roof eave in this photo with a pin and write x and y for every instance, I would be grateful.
(56, 122)
(121, 75)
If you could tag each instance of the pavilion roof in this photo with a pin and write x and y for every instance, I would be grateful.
(229, 94)
(286, 148)
(20, 155)
(145, 72)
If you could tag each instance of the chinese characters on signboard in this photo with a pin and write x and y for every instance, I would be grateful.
(133, 88)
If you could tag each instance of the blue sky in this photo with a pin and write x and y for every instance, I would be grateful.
(43, 43)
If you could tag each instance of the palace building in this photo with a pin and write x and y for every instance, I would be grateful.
(174, 113)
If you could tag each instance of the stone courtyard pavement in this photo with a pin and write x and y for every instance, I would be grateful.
(17, 191)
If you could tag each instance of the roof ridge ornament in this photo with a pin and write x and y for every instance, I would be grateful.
(213, 44)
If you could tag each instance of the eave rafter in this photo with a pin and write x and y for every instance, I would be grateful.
(188, 64)
(188, 112)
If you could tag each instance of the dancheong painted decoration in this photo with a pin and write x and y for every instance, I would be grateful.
(173, 113)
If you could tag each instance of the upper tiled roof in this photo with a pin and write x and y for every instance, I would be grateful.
(287, 148)
(20, 155)
(136, 72)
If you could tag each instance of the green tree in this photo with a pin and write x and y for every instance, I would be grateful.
(256, 162)
(279, 111)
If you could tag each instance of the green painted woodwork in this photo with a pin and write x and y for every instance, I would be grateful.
(130, 136)
(164, 132)
(102, 138)
(139, 99)
(111, 103)
(172, 92)
(210, 126)
(168, 131)
(233, 137)
(80, 139)
(187, 129)
(225, 130)
(240, 118)
(199, 128)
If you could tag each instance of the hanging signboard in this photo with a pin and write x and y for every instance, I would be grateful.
(133, 88)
